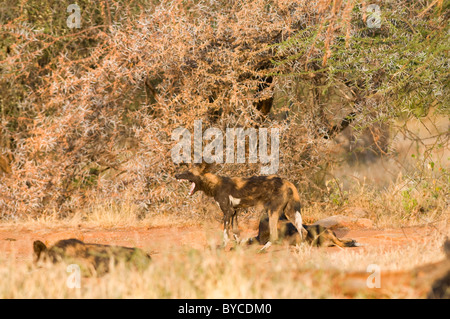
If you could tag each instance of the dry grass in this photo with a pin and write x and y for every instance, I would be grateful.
(301, 272)
(404, 202)
(283, 272)
(103, 163)
(106, 215)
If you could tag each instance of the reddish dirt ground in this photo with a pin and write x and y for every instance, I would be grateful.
(17, 242)
(156, 239)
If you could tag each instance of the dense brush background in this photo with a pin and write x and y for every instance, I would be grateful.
(86, 115)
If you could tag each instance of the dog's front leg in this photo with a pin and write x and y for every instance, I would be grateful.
(226, 228)
(228, 213)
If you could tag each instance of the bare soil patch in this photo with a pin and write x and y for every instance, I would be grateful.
(16, 242)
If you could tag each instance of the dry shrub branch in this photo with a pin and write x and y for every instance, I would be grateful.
(88, 113)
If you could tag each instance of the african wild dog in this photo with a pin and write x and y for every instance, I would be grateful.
(93, 259)
(274, 194)
(440, 289)
(317, 235)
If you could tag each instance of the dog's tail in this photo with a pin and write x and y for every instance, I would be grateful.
(345, 242)
(350, 243)
(293, 210)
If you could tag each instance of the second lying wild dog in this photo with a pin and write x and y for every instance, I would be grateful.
(317, 235)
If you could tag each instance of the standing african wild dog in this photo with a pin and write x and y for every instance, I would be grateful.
(276, 195)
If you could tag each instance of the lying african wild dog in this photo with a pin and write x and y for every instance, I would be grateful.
(317, 235)
(93, 259)
(276, 195)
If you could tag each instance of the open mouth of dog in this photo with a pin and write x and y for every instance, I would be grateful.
(192, 187)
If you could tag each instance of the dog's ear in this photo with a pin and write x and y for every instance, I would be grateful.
(38, 248)
(205, 167)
